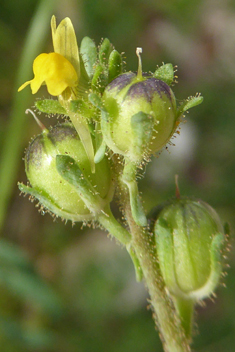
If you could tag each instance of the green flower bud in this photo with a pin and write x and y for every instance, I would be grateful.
(53, 191)
(141, 115)
(189, 236)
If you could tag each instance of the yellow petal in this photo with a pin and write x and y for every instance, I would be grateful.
(24, 85)
(38, 80)
(58, 74)
(65, 42)
(55, 71)
(39, 65)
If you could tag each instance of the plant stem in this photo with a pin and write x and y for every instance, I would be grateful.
(129, 179)
(165, 316)
(108, 221)
(185, 308)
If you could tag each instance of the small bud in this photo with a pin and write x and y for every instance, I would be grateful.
(189, 237)
(53, 191)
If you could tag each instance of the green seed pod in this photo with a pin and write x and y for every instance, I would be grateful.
(141, 115)
(51, 188)
(189, 236)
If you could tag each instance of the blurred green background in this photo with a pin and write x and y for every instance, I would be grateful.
(66, 288)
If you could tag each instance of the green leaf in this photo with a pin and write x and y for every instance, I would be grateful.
(89, 54)
(50, 106)
(115, 65)
(165, 73)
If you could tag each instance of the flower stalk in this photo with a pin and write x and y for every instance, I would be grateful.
(166, 319)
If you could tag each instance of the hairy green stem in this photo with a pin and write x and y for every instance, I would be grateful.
(185, 308)
(129, 179)
(108, 221)
(170, 329)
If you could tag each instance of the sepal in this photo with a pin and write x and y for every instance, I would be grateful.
(165, 73)
(89, 55)
(115, 65)
(189, 103)
(83, 108)
(50, 106)
(104, 51)
(99, 79)
(108, 66)
(47, 204)
(70, 171)
(142, 127)
(100, 145)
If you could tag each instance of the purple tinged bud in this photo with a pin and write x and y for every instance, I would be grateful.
(128, 95)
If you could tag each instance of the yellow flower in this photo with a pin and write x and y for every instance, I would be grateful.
(65, 42)
(61, 69)
(55, 71)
